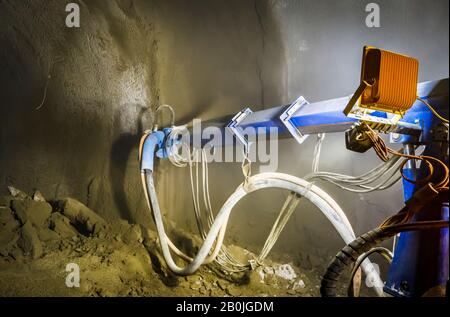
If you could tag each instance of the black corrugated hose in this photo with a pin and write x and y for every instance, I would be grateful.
(351, 252)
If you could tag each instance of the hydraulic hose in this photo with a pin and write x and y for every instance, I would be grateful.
(266, 180)
(363, 244)
(147, 180)
(150, 143)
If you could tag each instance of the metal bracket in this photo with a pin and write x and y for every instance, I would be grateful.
(233, 127)
(288, 114)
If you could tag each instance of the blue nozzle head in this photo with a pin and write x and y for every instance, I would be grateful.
(153, 143)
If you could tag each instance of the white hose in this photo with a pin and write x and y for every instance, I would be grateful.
(265, 180)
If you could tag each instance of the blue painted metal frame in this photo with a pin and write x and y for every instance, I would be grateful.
(328, 117)
(420, 258)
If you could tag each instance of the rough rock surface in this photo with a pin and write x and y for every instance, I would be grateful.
(36, 212)
(81, 216)
(38, 239)
(29, 241)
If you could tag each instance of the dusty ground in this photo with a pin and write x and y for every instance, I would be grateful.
(38, 239)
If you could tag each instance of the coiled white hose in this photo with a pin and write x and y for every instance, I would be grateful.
(265, 180)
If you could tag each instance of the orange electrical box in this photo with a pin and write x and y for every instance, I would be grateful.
(388, 82)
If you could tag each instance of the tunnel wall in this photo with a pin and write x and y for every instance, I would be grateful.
(74, 101)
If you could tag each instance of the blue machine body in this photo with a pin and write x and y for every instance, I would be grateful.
(421, 257)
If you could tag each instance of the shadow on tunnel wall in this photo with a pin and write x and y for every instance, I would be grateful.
(121, 152)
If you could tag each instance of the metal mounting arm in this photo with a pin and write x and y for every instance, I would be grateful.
(325, 117)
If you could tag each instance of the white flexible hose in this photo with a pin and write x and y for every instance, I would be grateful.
(265, 180)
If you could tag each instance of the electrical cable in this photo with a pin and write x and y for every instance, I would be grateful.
(289, 206)
(317, 150)
(173, 145)
(383, 152)
(339, 180)
(172, 114)
(426, 103)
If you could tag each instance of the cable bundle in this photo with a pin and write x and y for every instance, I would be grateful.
(430, 189)
(216, 226)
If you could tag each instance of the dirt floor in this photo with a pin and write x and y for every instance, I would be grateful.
(39, 238)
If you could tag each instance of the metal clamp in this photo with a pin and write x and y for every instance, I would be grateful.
(233, 127)
(288, 114)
